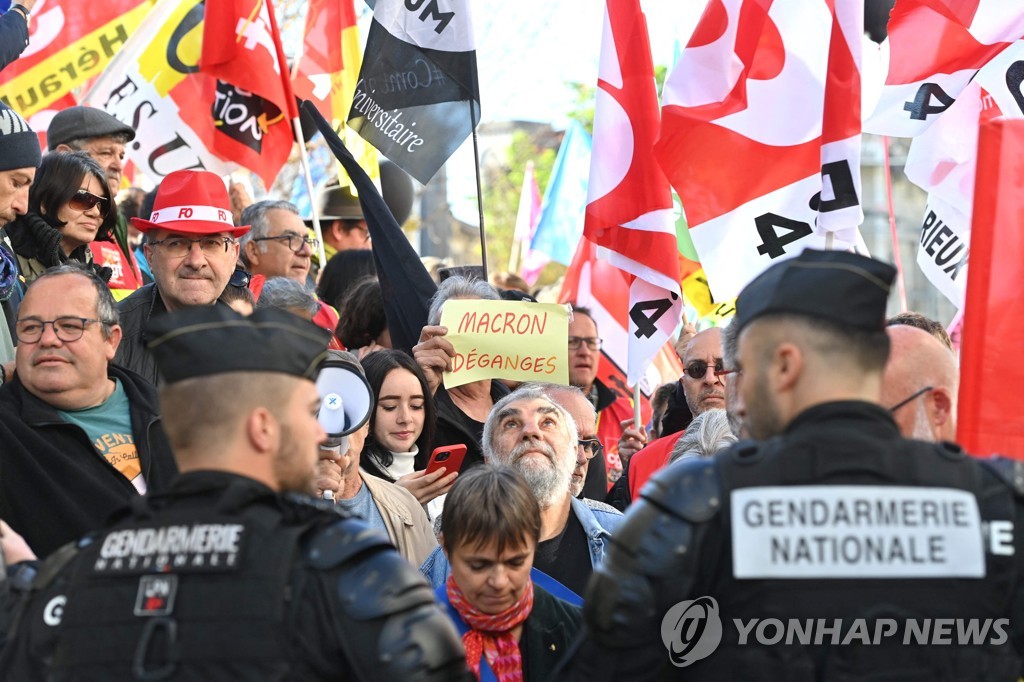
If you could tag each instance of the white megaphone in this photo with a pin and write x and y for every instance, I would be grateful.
(345, 397)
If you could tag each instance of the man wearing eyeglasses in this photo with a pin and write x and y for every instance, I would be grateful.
(612, 408)
(703, 389)
(192, 249)
(919, 385)
(81, 437)
(277, 245)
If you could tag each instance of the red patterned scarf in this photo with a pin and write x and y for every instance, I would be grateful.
(491, 635)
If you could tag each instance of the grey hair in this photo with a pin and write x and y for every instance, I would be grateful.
(708, 433)
(527, 392)
(255, 215)
(458, 287)
(730, 344)
(106, 306)
(558, 389)
(78, 144)
(287, 294)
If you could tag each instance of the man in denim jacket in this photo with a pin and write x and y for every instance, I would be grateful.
(530, 432)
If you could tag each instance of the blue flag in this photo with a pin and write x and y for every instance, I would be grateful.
(565, 198)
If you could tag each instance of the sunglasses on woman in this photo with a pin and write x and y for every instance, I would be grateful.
(84, 201)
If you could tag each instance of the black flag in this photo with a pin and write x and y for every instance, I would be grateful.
(405, 284)
(418, 97)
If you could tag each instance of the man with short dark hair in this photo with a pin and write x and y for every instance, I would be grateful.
(103, 137)
(900, 536)
(926, 324)
(235, 573)
(81, 437)
(192, 248)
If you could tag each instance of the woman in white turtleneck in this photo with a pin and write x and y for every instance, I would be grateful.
(401, 428)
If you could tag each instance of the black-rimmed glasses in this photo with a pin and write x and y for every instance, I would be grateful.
(591, 446)
(911, 398)
(66, 328)
(294, 242)
(593, 343)
(178, 247)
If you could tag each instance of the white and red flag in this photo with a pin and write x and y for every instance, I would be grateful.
(760, 133)
(935, 48)
(629, 201)
(253, 106)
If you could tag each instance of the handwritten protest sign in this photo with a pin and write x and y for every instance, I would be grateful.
(506, 340)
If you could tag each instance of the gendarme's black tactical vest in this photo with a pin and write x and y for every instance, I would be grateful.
(188, 592)
(845, 520)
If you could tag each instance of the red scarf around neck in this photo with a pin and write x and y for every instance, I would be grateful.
(491, 635)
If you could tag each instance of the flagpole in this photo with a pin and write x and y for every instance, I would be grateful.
(314, 211)
(479, 192)
(636, 406)
(901, 284)
(293, 114)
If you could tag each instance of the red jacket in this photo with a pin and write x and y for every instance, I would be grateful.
(653, 457)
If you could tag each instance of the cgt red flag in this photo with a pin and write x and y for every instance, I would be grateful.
(252, 106)
(990, 419)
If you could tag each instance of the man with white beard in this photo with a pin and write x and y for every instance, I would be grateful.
(530, 432)
(920, 384)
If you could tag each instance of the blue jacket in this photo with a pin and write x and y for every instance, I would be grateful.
(599, 521)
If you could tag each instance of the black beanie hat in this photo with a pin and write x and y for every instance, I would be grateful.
(19, 146)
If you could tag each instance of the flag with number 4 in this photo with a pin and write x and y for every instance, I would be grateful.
(629, 201)
(935, 48)
(760, 133)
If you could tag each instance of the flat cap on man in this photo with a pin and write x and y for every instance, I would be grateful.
(84, 123)
(837, 286)
(207, 340)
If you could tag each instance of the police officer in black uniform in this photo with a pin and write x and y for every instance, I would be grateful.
(821, 550)
(235, 573)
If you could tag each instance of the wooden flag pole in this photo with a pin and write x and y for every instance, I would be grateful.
(479, 191)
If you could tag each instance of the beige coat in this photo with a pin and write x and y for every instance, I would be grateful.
(407, 523)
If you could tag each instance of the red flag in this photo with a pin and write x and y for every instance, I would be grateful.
(252, 106)
(318, 73)
(629, 208)
(989, 416)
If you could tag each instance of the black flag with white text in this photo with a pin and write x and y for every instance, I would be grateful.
(417, 98)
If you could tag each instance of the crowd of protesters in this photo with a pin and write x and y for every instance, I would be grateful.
(509, 540)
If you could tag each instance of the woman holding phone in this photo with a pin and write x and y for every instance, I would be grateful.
(402, 427)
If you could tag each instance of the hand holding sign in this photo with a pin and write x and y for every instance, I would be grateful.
(506, 340)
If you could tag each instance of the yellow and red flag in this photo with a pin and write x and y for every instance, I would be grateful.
(69, 42)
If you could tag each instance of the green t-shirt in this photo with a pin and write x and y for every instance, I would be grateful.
(109, 427)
